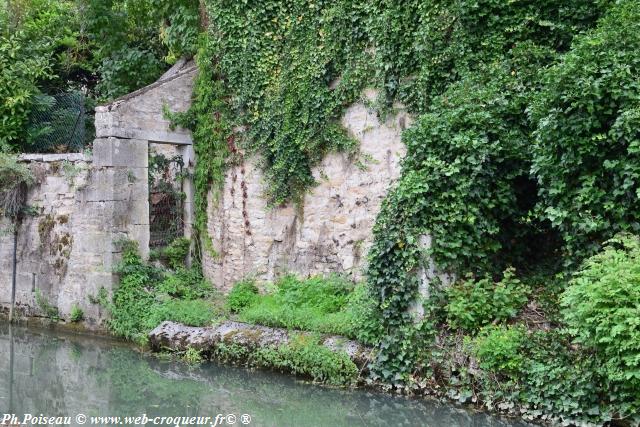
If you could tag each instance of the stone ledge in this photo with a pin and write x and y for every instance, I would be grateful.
(177, 337)
(70, 157)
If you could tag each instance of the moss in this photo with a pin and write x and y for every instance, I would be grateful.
(66, 240)
(45, 226)
(63, 219)
(55, 167)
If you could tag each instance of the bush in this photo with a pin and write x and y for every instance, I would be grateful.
(147, 296)
(192, 356)
(242, 294)
(175, 254)
(499, 349)
(186, 284)
(601, 307)
(361, 316)
(304, 356)
(586, 152)
(474, 303)
(327, 294)
(326, 305)
(187, 312)
(557, 380)
(76, 314)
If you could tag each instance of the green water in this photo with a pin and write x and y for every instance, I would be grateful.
(54, 374)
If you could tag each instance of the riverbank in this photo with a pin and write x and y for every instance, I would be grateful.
(67, 375)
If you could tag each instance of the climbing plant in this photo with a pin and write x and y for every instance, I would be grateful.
(479, 78)
(586, 152)
(470, 70)
(291, 69)
(213, 137)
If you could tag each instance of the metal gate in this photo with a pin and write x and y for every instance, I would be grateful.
(166, 199)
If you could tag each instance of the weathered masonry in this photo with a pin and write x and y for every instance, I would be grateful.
(331, 232)
(87, 203)
(84, 204)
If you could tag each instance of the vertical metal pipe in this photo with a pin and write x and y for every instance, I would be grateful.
(15, 268)
(10, 368)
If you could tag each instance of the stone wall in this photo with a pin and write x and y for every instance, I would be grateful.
(85, 204)
(332, 230)
(140, 114)
(81, 206)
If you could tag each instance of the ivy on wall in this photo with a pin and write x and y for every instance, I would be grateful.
(492, 90)
(586, 152)
(208, 118)
(469, 70)
(291, 68)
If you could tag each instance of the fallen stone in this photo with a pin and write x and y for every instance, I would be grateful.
(177, 337)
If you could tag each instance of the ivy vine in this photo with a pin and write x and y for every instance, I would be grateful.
(291, 69)
(468, 71)
(208, 118)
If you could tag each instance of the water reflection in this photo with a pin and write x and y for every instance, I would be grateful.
(56, 374)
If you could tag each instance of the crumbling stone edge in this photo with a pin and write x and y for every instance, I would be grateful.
(174, 336)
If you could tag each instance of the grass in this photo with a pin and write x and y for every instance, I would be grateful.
(328, 305)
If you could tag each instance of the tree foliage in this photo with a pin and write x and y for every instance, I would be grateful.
(103, 48)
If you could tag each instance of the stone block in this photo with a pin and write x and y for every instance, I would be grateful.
(120, 152)
(118, 184)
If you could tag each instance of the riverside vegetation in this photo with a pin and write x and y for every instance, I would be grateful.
(522, 165)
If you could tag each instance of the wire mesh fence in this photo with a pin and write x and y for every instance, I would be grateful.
(166, 200)
(59, 123)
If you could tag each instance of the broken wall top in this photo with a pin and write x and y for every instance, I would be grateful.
(139, 115)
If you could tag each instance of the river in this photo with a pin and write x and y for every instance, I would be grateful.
(58, 374)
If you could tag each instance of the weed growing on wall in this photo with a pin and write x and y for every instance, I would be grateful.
(147, 296)
(77, 314)
(208, 118)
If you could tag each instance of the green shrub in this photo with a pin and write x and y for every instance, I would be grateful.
(317, 304)
(146, 296)
(185, 283)
(177, 251)
(187, 312)
(242, 294)
(560, 381)
(499, 349)
(327, 294)
(304, 356)
(475, 303)
(586, 151)
(361, 318)
(49, 310)
(192, 356)
(77, 314)
(601, 307)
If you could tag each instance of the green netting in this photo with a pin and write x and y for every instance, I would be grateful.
(58, 123)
